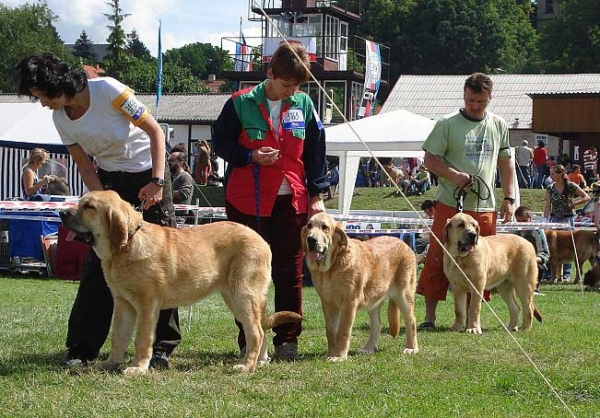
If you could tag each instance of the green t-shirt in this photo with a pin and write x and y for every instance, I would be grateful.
(471, 147)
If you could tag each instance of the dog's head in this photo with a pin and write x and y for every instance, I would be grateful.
(461, 234)
(322, 240)
(102, 219)
(59, 187)
(591, 280)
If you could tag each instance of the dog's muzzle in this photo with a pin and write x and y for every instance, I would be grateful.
(85, 237)
(315, 251)
(467, 247)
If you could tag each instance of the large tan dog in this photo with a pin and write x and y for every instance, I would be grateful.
(561, 250)
(506, 262)
(395, 173)
(349, 274)
(149, 268)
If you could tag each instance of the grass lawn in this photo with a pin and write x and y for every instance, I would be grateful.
(452, 375)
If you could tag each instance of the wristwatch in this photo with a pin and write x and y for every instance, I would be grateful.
(158, 181)
(510, 199)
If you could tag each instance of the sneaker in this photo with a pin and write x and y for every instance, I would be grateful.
(566, 279)
(159, 360)
(286, 351)
(538, 293)
(426, 326)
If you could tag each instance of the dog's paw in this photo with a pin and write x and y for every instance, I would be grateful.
(367, 350)
(130, 371)
(107, 365)
(242, 368)
(263, 362)
(411, 350)
(474, 330)
(457, 327)
(336, 359)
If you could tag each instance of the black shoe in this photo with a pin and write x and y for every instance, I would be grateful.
(73, 361)
(159, 360)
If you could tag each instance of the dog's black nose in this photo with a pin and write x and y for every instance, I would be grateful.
(311, 242)
(63, 215)
(472, 236)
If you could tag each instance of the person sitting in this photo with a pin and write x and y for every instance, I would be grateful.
(421, 182)
(576, 177)
(538, 239)
(422, 240)
(183, 182)
(32, 186)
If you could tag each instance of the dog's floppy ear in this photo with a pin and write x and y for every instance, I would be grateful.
(117, 228)
(477, 229)
(445, 231)
(339, 237)
(303, 234)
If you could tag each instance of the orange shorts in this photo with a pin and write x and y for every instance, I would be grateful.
(433, 283)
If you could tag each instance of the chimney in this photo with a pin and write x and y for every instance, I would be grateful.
(212, 77)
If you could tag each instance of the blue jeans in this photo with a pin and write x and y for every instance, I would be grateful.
(524, 176)
(539, 178)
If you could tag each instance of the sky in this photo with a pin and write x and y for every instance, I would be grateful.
(183, 21)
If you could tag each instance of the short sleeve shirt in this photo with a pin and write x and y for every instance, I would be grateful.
(109, 130)
(472, 147)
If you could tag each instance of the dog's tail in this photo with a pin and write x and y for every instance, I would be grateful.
(393, 314)
(537, 314)
(279, 318)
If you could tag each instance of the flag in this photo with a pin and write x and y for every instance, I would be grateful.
(159, 72)
(243, 57)
(372, 80)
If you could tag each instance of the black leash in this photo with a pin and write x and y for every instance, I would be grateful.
(140, 207)
(473, 186)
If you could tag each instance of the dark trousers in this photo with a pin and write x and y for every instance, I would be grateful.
(91, 315)
(281, 230)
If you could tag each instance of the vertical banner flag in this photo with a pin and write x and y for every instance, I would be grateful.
(159, 73)
(243, 57)
(372, 80)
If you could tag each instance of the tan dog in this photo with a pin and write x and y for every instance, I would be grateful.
(148, 268)
(560, 246)
(349, 274)
(506, 262)
(395, 173)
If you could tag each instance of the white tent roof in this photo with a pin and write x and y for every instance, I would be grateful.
(393, 134)
(28, 125)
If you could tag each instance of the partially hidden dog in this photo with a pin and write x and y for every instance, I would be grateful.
(395, 173)
(560, 246)
(591, 279)
(505, 262)
(349, 274)
(148, 268)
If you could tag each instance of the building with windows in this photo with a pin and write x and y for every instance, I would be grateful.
(339, 61)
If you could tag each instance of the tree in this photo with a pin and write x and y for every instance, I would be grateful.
(201, 58)
(84, 48)
(117, 40)
(136, 48)
(570, 43)
(26, 30)
(452, 36)
(140, 75)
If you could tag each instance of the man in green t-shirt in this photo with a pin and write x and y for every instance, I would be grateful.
(463, 150)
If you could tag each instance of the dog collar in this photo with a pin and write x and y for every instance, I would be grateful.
(132, 233)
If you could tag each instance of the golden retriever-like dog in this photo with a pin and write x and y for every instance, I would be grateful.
(506, 262)
(350, 274)
(148, 268)
(395, 173)
(560, 246)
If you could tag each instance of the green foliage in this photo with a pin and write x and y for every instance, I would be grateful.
(117, 40)
(84, 48)
(452, 36)
(201, 58)
(136, 48)
(26, 30)
(570, 43)
(141, 76)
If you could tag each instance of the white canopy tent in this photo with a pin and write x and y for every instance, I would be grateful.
(394, 134)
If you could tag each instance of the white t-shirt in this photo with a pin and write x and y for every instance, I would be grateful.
(275, 113)
(107, 130)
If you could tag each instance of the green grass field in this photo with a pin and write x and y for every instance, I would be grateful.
(454, 374)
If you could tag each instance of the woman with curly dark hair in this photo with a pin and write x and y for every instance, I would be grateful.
(102, 118)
